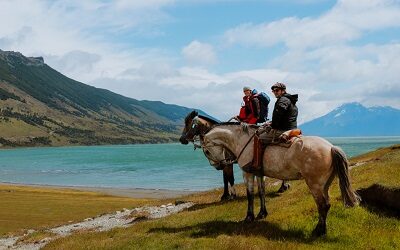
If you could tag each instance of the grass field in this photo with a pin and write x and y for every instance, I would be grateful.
(292, 216)
(35, 208)
(216, 225)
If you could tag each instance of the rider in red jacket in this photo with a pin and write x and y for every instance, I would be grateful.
(250, 111)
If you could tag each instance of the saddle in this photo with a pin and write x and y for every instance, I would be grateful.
(286, 140)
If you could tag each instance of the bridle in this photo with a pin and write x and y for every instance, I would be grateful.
(198, 133)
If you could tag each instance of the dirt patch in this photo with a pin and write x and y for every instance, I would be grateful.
(382, 200)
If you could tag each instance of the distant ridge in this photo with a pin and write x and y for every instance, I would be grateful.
(353, 119)
(40, 106)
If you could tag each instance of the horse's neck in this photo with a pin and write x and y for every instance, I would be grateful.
(204, 129)
(242, 145)
(236, 138)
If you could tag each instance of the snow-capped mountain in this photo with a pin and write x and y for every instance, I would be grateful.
(353, 119)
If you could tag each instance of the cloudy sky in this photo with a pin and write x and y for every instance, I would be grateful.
(200, 53)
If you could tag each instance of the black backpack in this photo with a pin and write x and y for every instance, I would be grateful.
(264, 101)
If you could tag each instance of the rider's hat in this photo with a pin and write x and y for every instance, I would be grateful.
(278, 85)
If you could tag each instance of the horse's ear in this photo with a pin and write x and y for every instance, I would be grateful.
(195, 113)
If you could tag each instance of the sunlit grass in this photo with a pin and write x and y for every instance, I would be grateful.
(34, 208)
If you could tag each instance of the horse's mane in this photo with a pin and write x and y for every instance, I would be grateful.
(190, 116)
(209, 119)
(228, 123)
(237, 123)
(245, 126)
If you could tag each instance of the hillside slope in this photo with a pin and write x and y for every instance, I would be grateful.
(40, 106)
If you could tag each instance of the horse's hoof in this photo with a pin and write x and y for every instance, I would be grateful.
(318, 232)
(284, 188)
(249, 218)
(225, 197)
(261, 215)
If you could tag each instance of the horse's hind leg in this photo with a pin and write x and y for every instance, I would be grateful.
(285, 186)
(320, 194)
(261, 193)
(229, 181)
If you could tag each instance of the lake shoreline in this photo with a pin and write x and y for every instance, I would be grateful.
(138, 193)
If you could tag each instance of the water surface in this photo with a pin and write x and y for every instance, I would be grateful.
(155, 166)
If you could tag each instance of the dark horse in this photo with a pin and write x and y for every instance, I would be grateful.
(204, 125)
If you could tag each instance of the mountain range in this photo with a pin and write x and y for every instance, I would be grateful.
(40, 106)
(354, 119)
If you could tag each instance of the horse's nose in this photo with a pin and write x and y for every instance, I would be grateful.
(183, 140)
(219, 167)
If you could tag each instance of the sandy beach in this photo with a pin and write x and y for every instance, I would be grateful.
(138, 193)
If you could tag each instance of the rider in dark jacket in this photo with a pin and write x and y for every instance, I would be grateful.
(285, 112)
(284, 118)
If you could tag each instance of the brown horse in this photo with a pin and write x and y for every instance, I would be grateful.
(310, 158)
(202, 125)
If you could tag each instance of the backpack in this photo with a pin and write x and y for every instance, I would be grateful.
(264, 101)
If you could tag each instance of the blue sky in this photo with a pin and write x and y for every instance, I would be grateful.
(201, 53)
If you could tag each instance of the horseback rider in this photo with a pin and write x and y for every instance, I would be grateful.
(285, 112)
(284, 118)
(254, 107)
(250, 110)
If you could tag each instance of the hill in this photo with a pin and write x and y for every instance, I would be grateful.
(353, 119)
(40, 106)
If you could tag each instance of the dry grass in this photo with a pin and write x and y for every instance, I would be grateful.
(215, 225)
(35, 208)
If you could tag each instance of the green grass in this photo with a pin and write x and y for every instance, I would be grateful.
(215, 225)
(37, 208)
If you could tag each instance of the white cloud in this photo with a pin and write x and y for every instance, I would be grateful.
(345, 22)
(318, 62)
(199, 53)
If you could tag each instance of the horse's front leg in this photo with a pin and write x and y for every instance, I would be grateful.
(231, 180)
(249, 182)
(225, 195)
(261, 193)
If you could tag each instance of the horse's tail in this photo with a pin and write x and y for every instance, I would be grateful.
(341, 168)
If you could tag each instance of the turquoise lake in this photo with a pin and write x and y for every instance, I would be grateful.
(155, 166)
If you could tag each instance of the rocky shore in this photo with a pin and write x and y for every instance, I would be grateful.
(105, 222)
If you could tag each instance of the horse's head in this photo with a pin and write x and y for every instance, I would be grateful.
(188, 132)
(195, 125)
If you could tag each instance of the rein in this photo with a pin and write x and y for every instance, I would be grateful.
(226, 160)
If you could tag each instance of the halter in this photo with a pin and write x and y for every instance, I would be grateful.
(225, 161)
(197, 134)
